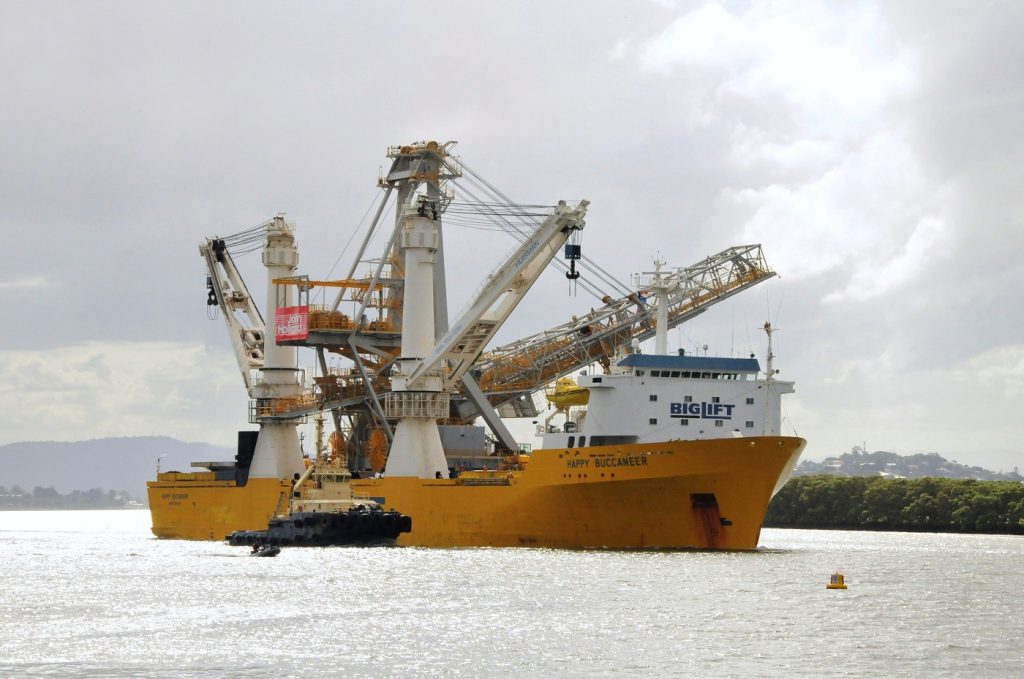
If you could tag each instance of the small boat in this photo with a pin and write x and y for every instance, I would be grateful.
(567, 393)
(266, 550)
(837, 581)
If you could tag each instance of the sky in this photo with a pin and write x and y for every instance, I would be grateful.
(873, 149)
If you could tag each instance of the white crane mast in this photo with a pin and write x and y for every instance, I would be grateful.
(421, 389)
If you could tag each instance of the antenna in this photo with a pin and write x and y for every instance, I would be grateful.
(770, 378)
(771, 356)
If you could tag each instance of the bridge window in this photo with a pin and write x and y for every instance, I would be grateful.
(597, 380)
(583, 441)
(675, 373)
(750, 401)
(639, 373)
(572, 441)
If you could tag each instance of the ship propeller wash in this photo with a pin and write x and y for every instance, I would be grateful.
(642, 451)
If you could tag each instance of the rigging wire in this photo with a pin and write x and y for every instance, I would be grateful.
(594, 266)
(378, 196)
(520, 235)
(596, 270)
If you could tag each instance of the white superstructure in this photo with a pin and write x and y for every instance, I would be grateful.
(653, 398)
(658, 397)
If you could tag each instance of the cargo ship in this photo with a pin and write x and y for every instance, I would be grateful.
(642, 451)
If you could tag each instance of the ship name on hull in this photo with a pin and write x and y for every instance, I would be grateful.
(601, 462)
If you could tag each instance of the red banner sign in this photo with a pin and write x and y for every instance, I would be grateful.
(292, 323)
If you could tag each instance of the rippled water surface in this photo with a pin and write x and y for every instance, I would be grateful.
(94, 594)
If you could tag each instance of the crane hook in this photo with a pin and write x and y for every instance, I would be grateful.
(211, 297)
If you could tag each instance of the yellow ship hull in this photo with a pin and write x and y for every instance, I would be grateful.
(197, 507)
(710, 494)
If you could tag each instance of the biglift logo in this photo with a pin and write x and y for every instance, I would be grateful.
(701, 410)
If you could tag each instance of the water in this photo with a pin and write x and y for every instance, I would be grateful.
(91, 593)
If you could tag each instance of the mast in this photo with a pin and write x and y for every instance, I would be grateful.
(660, 288)
(769, 378)
(278, 454)
(418, 404)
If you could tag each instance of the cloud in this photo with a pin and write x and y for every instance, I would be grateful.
(706, 36)
(821, 60)
(999, 370)
(95, 389)
(27, 283)
(621, 49)
(858, 206)
(929, 242)
(826, 175)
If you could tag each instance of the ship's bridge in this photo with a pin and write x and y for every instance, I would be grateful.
(690, 367)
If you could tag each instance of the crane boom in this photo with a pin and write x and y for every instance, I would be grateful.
(501, 292)
(526, 365)
(229, 292)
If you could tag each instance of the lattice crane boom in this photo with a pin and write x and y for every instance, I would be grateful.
(528, 364)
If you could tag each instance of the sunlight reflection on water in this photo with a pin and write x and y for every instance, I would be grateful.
(89, 593)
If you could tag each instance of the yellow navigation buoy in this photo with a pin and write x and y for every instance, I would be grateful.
(837, 581)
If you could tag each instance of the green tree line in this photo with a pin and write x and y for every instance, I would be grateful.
(877, 503)
(47, 498)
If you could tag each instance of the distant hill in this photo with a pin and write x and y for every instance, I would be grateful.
(119, 464)
(882, 463)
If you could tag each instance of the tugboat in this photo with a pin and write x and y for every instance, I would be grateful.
(323, 513)
(357, 526)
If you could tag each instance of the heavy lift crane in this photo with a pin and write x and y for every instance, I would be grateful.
(269, 368)
(477, 382)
